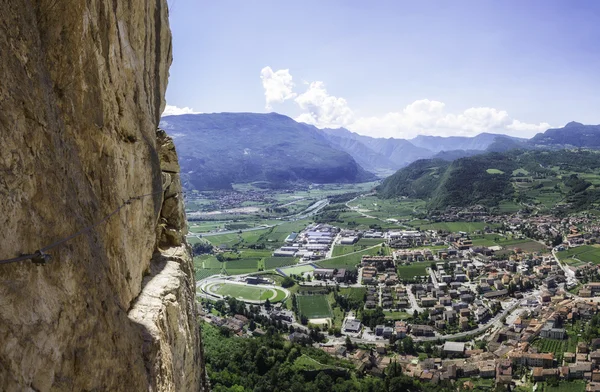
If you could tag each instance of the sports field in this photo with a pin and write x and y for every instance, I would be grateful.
(297, 270)
(314, 306)
(246, 292)
(413, 270)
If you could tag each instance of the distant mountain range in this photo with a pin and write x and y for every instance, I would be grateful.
(392, 154)
(217, 150)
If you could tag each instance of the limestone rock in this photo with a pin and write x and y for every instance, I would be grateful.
(82, 90)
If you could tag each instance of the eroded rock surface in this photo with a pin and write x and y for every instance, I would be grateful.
(82, 88)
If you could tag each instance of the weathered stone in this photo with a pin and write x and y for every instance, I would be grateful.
(168, 156)
(82, 90)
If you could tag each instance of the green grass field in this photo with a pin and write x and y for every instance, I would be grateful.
(306, 363)
(585, 253)
(564, 386)
(277, 235)
(340, 250)
(483, 242)
(354, 293)
(557, 347)
(277, 262)
(384, 209)
(573, 262)
(525, 245)
(494, 171)
(206, 265)
(247, 292)
(297, 270)
(348, 261)
(241, 291)
(413, 270)
(314, 306)
(370, 241)
(396, 315)
(249, 264)
(245, 238)
(507, 207)
(455, 227)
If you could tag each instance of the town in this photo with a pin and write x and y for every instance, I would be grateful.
(512, 302)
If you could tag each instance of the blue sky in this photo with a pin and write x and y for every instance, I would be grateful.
(391, 68)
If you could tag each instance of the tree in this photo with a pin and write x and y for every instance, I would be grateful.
(557, 240)
(267, 304)
(408, 345)
(202, 247)
(287, 282)
(220, 257)
(349, 344)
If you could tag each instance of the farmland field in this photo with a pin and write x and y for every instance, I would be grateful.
(483, 242)
(348, 261)
(507, 207)
(277, 235)
(573, 262)
(370, 241)
(557, 347)
(388, 208)
(314, 306)
(585, 253)
(455, 227)
(249, 264)
(413, 270)
(248, 237)
(340, 250)
(277, 262)
(525, 245)
(207, 265)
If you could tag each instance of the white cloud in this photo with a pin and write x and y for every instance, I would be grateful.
(278, 86)
(321, 109)
(421, 117)
(171, 110)
(425, 117)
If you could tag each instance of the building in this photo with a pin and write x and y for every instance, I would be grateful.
(428, 301)
(545, 360)
(291, 238)
(454, 348)
(284, 253)
(353, 326)
(348, 240)
(323, 273)
(340, 275)
(487, 369)
(553, 333)
(422, 330)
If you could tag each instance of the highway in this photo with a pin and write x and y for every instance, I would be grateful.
(310, 211)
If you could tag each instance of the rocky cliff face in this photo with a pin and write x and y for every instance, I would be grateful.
(82, 90)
